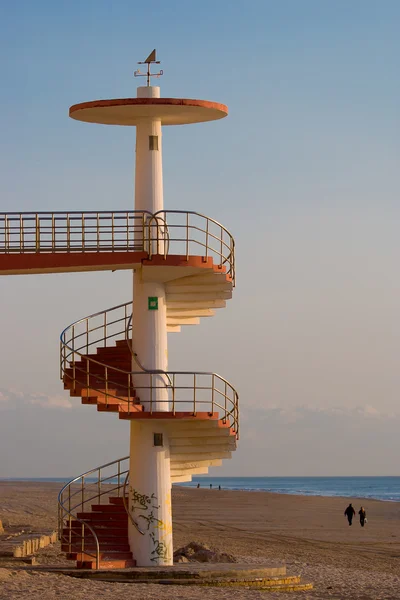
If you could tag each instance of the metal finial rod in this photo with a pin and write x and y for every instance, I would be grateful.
(151, 59)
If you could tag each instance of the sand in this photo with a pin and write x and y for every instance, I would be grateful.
(309, 533)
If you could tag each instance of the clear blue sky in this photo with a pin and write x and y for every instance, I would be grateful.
(304, 172)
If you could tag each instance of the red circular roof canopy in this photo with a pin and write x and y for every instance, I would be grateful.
(132, 111)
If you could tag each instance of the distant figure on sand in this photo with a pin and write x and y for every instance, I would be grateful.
(349, 513)
(198, 485)
(210, 486)
(363, 515)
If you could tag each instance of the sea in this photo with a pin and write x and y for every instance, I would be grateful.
(379, 488)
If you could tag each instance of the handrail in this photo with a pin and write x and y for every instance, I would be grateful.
(165, 232)
(70, 511)
(187, 390)
(124, 496)
(135, 357)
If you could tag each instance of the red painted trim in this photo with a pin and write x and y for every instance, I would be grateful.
(60, 262)
(200, 416)
(148, 102)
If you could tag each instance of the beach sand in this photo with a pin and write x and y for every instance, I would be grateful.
(309, 533)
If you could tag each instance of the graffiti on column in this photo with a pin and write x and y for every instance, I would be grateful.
(147, 507)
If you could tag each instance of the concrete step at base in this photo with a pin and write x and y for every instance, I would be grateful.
(106, 564)
(108, 555)
(91, 548)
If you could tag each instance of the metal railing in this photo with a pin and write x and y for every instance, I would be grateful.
(183, 391)
(168, 232)
(187, 232)
(72, 231)
(78, 494)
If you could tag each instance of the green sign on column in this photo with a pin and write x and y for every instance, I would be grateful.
(152, 303)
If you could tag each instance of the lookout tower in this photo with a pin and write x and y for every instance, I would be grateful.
(183, 266)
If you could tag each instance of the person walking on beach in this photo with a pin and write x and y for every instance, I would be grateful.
(349, 513)
(363, 516)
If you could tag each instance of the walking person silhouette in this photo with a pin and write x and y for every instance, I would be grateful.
(349, 513)
(363, 516)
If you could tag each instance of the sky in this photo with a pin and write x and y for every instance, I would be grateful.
(303, 172)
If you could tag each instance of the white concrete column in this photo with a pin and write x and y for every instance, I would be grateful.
(150, 495)
(149, 323)
(149, 473)
(149, 341)
(148, 174)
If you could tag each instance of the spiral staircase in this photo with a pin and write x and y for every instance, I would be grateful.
(194, 257)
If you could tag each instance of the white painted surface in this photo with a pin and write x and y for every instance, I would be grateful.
(150, 496)
(150, 477)
(149, 327)
(148, 171)
(149, 341)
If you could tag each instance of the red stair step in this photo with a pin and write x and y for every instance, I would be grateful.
(91, 548)
(117, 500)
(107, 508)
(101, 525)
(103, 516)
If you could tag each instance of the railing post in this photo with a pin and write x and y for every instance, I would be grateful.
(83, 232)
(194, 394)
(166, 236)
(53, 232)
(87, 336)
(69, 517)
(225, 402)
(151, 393)
(129, 391)
(187, 236)
(59, 520)
(212, 392)
(73, 358)
(68, 233)
(82, 505)
(37, 232)
(231, 261)
(222, 246)
(98, 230)
(173, 393)
(87, 376)
(83, 492)
(119, 476)
(112, 231)
(99, 485)
(237, 415)
(6, 236)
(158, 235)
(106, 378)
(21, 235)
(207, 221)
(105, 328)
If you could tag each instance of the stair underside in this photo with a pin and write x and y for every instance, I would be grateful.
(197, 441)
(195, 286)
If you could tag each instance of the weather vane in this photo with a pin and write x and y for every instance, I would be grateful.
(151, 59)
